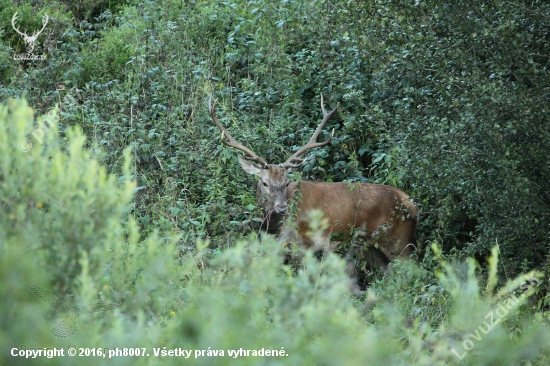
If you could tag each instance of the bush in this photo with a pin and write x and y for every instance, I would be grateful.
(446, 100)
(64, 226)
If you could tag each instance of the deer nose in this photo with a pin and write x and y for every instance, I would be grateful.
(281, 209)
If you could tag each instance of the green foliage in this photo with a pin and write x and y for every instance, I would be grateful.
(464, 91)
(26, 20)
(447, 100)
(208, 301)
(66, 196)
(105, 58)
(6, 61)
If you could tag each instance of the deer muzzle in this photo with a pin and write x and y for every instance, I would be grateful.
(281, 209)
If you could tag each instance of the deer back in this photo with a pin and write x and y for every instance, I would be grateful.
(386, 214)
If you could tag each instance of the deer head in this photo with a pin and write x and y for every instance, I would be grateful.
(382, 218)
(29, 40)
(273, 183)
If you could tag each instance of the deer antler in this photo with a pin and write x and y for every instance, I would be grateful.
(29, 40)
(13, 20)
(45, 19)
(294, 161)
(232, 142)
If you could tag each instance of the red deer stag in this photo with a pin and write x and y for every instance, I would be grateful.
(385, 216)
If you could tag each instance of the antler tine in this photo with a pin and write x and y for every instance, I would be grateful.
(290, 163)
(45, 19)
(232, 142)
(13, 20)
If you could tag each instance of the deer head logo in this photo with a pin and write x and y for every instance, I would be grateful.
(29, 40)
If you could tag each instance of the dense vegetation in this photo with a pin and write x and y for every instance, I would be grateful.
(115, 186)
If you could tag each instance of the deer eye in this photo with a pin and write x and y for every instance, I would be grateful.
(287, 183)
(265, 184)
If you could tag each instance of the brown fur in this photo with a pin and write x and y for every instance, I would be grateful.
(385, 216)
(385, 213)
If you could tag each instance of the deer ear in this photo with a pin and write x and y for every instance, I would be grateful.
(250, 167)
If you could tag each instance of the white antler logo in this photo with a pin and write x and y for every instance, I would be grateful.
(29, 40)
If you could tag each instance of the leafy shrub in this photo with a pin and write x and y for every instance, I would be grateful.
(209, 300)
(444, 99)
